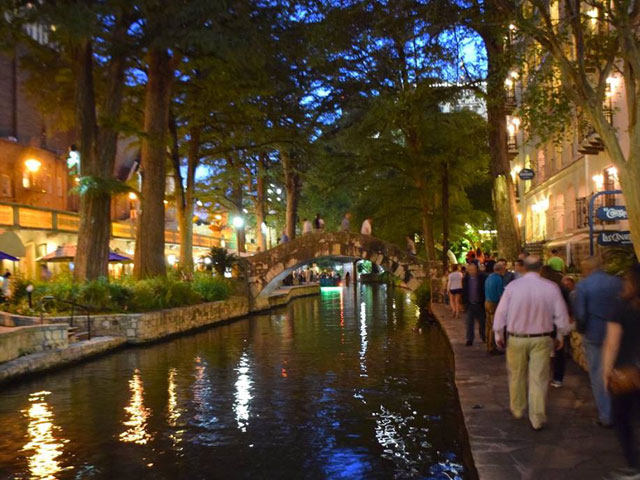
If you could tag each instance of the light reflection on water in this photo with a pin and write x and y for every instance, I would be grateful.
(243, 392)
(137, 414)
(337, 386)
(43, 448)
(363, 339)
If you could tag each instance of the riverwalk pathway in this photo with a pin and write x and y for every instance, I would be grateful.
(571, 446)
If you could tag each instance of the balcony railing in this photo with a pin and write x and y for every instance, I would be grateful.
(582, 209)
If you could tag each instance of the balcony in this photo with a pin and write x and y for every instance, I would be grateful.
(582, 209)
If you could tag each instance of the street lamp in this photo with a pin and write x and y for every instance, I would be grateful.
(238, 222)
(32, 165)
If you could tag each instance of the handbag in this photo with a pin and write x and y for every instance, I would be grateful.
(624, 380)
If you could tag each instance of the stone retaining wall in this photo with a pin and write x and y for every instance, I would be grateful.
(20, 341)
(284, 295)
(146, 327)
(54, 358)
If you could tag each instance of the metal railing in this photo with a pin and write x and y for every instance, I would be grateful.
(74, 305)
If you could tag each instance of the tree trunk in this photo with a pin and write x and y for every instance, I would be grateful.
(292, 187)
(427, 227)
(185, 193)
(236, 199)
(504, 195)
(149, 258)
(630, 183)
(445, 213)
(92, 255)
(260, 203)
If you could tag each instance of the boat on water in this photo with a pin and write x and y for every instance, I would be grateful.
(330, 282)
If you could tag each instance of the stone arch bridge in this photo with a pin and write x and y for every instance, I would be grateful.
(267, 269)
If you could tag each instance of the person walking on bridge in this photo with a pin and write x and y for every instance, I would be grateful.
(345, 225)
(529, 309)
(366, 228)
(307, 228)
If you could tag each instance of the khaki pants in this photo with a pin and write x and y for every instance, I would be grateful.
(529, 356)
(490, 308)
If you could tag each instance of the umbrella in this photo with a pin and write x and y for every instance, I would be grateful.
(6, 256)
(67, 253)
(119, 258)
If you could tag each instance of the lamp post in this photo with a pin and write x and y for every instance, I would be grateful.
(238, 223)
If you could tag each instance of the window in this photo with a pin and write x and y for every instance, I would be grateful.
(541, 166)
(5, 186)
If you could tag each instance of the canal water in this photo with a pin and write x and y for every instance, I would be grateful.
(341, 385)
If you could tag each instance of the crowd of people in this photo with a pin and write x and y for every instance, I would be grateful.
(528, 312)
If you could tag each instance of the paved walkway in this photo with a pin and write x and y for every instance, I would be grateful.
(570, 447)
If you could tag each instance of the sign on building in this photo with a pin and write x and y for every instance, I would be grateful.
(609, 239)
(526, 174)
(618, 212)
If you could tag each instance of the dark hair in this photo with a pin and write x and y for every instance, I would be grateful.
(520, 262)
(554, 251)
(472, 254)
(633, 277)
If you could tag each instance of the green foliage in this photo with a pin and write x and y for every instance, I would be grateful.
(618, 260)
(211, 289)
(422, 295)
(95, 294)
(222, 260)
(88, 185)
(109, 296)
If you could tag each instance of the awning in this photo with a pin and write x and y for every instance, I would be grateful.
(577, 238)
(6, 256)
(11, 244)
(67, 253)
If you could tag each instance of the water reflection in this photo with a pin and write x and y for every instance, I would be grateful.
(348, 393)
(363, 339)
(202, 390)
(242, 396)
(43, 448)
(173, 408)
(137, 414)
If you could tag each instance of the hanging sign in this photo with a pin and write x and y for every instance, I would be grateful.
(526, 174)
(618, 212)
(608, 239)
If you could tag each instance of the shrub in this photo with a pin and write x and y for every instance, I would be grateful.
(96, 294)
(211, 289)
(147, 295)
(179, 294)
(422, 295)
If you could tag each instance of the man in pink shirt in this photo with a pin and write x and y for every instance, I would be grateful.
(530, 308)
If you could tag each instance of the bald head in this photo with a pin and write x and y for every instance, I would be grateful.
(532, 263)
(499, 268)
(590, 264)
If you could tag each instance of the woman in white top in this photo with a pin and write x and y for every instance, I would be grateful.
(454, 287)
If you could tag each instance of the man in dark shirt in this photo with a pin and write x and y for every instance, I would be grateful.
(473, 297)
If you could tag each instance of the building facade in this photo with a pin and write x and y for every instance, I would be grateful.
(553, 206)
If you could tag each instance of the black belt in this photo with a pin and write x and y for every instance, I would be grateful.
(530, 335)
